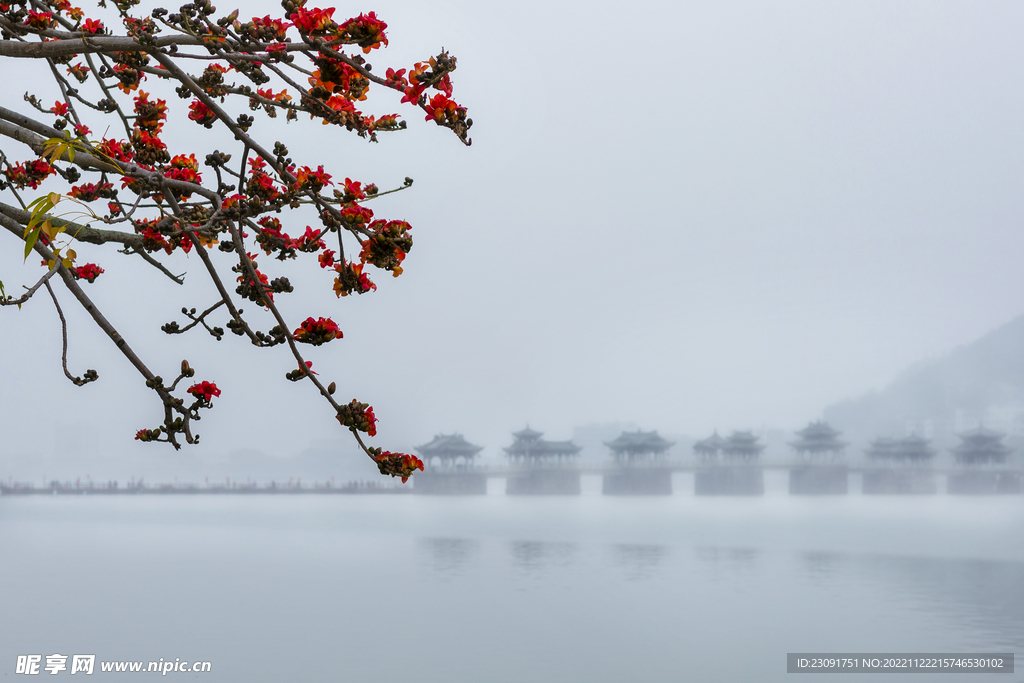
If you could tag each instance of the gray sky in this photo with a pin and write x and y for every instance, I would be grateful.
(686, 216)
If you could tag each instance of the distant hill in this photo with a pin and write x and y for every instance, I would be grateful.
(981, 382)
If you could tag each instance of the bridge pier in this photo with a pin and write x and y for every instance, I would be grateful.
(983, 483)
(819, 480)
(900, 482)
(543, 482)
(723, 480)
(450, 483)
(638, 481)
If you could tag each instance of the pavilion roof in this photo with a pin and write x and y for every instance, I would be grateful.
(981, 434)
(565, 447)
(529, 443)
(818, 430)
(639, 441)
(528, 434)
(981, 444)
(990, 449)
(911, 447)
(741, 437)
(742, 442)
(711, 444)
(818, 437)
(449, 446)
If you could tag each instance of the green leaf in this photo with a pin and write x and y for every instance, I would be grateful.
(30, 241)
(3, 295)
(35, 202)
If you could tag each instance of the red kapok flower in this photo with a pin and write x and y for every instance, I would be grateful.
(149, 114)
(201, 114)
(358, 416)
(40, 20)
(184, 168)
(354, 190)
(147, 435)
(267, 28)
(396, 464)
(89, 192)
(301, 372)
(93, 26)
(326, 258)
(366, 30)
(128, 78)
(351, 278)
(317, 332)
(118, 151)
(204, 390)
(310, 241)
(30, 173)
(307, 178)
(89, 272)
(80, 72)
(314, 20)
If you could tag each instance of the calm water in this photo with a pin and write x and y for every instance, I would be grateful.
(381, 588)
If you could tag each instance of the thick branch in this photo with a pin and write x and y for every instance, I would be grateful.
(170, 403)
(82, 233)
(89, 162)
(76, 43)
(83, 298)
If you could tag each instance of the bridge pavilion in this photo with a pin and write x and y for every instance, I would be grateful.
(641, 468)
(818, 441)
(737, 474)
(449, 462)
(542, 466)
(981, 458)
(900, 466)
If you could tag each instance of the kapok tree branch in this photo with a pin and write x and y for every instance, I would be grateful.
(30, 291)
(171, 404)
(90, 375)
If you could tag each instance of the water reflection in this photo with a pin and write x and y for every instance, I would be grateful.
(448, 556)
(820, 567)
(987, 596)
(638, 560)
(538, 555)
(729, 560)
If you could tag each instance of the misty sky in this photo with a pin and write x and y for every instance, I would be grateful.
(682, 215)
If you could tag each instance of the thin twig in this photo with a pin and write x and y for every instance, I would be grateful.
(31, 290)
(90, 375)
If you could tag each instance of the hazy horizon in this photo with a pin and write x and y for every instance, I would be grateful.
(680, 217)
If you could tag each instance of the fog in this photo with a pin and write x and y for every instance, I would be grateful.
(682, 217)
(675, 216)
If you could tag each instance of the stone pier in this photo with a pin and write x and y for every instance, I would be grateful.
(819, 480)
(900, 482)
(983, 483)
(450, 483)
(638, 481)
(725, 480)
(543, 482)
